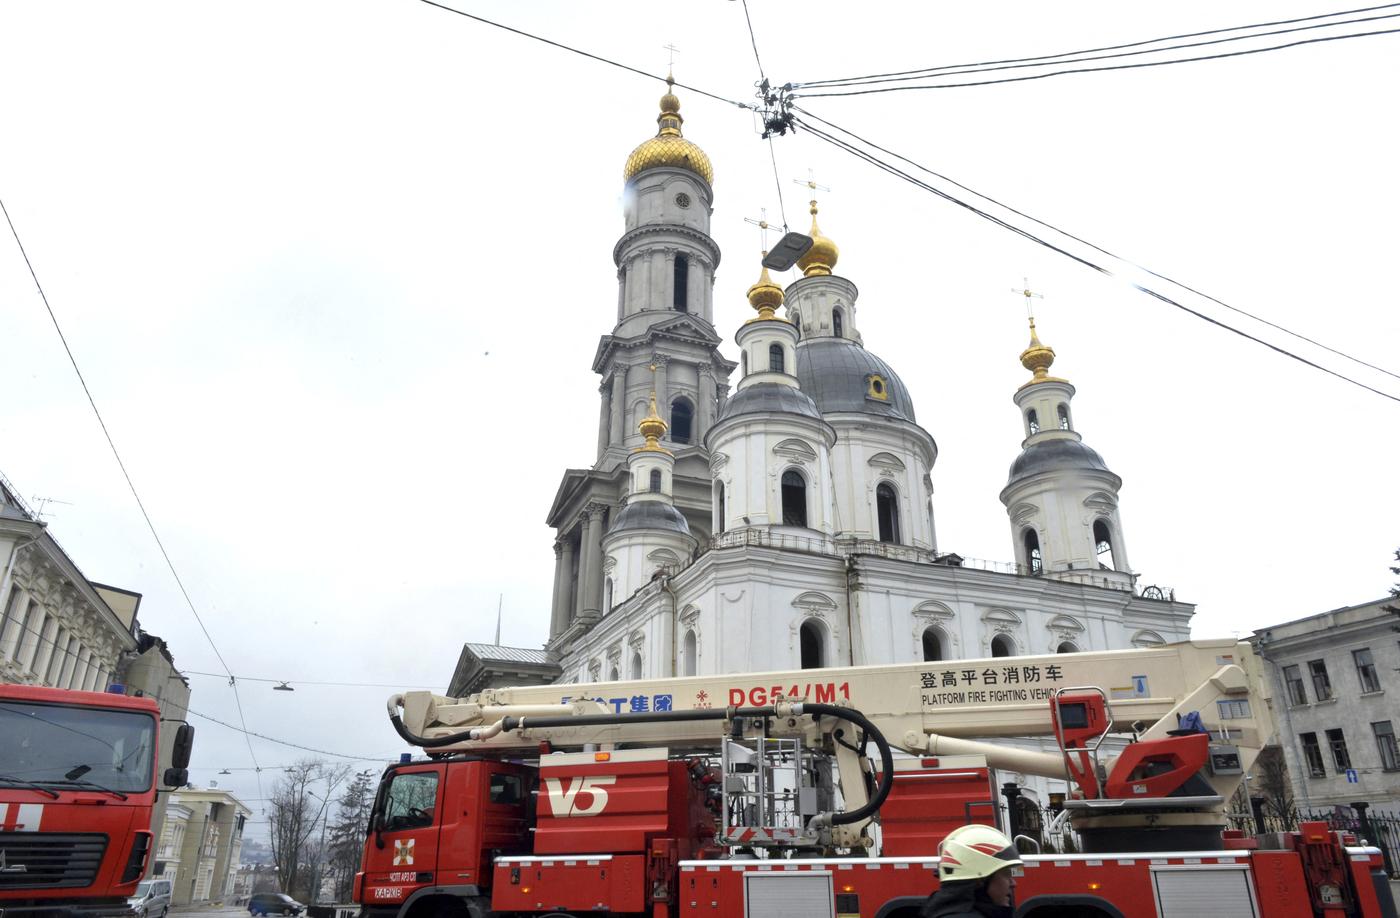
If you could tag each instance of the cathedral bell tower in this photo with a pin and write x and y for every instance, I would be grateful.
(1061, 497)
(660, 361)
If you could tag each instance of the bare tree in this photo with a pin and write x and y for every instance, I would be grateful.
(296, 812)
(1273, 780)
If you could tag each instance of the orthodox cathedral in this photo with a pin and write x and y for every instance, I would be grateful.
(782, 517)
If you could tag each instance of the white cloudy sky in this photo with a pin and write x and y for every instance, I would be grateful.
(335, 273)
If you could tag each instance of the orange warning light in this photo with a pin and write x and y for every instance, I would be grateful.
(1094, 886)
(602, 756)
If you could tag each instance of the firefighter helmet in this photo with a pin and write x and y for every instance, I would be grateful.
(974, 853)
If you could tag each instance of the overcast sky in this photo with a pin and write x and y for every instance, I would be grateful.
(335, 273)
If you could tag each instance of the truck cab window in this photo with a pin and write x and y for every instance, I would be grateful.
(410, 802)
(507, 789)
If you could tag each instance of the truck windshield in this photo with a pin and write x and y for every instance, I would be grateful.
(57, 746)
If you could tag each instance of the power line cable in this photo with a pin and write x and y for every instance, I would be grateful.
(754, 41)
(282, 742)
(893, 170)
(129, 483)
(1042, 76)
(1135, 44)
(195, 672)
(1103, 57)
(1098, 248)
(596, 57)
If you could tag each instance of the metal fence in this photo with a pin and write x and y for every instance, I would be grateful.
(1050, 828)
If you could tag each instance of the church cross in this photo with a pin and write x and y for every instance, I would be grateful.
(812, 185)
(671, 64)
(763, 226)
(1025, 291)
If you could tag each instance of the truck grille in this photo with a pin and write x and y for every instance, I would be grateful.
(49, 860)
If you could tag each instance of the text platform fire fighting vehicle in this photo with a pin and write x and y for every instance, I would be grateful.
(780, 794)
(77, 785)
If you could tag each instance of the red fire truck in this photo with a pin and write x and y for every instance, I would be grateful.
(825, 793)
(77, 784)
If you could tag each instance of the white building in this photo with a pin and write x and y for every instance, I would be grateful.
(1335, 678)
(211, 845)
(791, 524)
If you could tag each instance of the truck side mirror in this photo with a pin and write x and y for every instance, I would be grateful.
(177, 777)
(184, 745)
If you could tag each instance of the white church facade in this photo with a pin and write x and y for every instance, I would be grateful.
(790, 524)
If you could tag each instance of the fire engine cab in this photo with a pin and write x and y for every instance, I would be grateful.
(825, 794)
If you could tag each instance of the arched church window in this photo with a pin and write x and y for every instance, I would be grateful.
(679, 281)
(775, 358)
(812, 638)
(682, 415)
(1067, 647)
(1032, 543)
(614, 675)
(654, 482)
(691, 653)
(933, 647)
(719, 507)
(1032, 422)
(1063, 412)
(837, 325)
(794, 498)
(887, 513)
(636, 666)
(1003, 646)
(1103, 545)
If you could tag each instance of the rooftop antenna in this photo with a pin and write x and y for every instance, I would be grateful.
(41, 502)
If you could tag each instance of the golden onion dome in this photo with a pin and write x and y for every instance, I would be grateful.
(1037, 358)
(668, 147)
(821, 257)
(765, 296)
(653, 428)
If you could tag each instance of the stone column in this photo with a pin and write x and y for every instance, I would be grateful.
(668, 273)
(559, 610)
(663, 399)
(618, 425)
(696, 285)
(604, 417)
(592, 575)
(705, 413)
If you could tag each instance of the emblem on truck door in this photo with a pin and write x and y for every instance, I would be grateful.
(564, 801)
(403, 852)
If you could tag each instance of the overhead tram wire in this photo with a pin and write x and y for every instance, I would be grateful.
(1097, 248)
(1107, 272)
(1055, 73)
(1135, 44)
(764, 92)
(1102, 57)
(131, 484)
(195, 672)
(282, 742)
(596, 57)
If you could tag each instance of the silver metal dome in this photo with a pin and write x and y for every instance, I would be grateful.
(650, 514)
(1054, 455)
(836, 373)
(765, 398)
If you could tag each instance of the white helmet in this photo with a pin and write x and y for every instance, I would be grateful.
(974, 852)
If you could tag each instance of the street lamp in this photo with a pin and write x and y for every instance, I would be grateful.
(789, 248)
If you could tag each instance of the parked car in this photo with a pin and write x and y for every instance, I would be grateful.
(274, 904)
(152, 899)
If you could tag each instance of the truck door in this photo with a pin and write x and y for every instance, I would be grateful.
(403, 848)
(487, 815)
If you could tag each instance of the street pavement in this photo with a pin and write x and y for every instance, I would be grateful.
(206, 911)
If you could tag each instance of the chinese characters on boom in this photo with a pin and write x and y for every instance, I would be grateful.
(992, 684)
(633, 704)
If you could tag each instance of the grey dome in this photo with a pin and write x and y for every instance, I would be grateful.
(764, 398)
(650, 514)
(1052, 455)
(835, 372)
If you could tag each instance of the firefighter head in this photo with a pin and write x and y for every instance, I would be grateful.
(979, 856)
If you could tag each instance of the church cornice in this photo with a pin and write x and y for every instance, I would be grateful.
(702, 241)
(685, 328)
